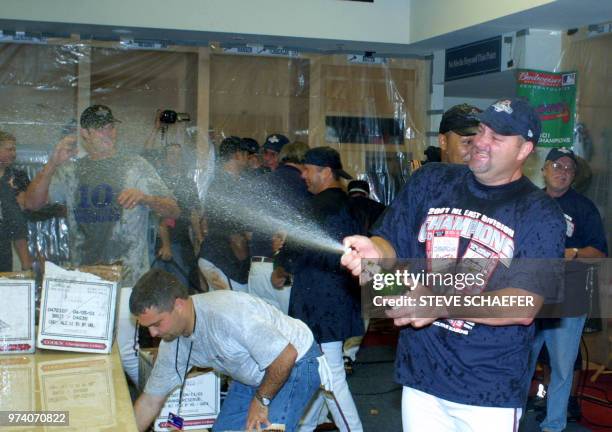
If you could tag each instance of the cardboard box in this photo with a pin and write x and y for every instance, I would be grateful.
(17, 392)
(82, 385)
(201, 397)
(78, 308)
(17, 312)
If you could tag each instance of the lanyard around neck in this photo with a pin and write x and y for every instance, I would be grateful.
(184, 379)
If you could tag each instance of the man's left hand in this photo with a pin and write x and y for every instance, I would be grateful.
(416, 315)
(130, 198)
(402, 320)
(257, 417)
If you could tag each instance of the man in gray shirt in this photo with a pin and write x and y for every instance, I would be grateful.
(110, 195)
(271, 357)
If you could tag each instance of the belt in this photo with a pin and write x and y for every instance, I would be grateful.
(261, 259)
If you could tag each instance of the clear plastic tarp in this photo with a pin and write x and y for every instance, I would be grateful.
(371, 110)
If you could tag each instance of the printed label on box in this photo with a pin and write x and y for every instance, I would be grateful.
(17, 332)
(77, 312)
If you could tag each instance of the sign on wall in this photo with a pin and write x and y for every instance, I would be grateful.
(260, 50)
(477, 58)
(554, 97)
(365, 59)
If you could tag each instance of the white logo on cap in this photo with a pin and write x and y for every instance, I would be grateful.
(564, 150)
(529, 133)
(503, 106)
(273, 139)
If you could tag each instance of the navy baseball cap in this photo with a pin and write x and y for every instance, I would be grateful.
(231, 145)
(460, 119)
(275, 142)
(514, 116)
(251, 145)
(96, 117)
(558, 153)
(326, 157)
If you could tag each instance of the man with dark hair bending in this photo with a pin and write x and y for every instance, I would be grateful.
(271, 357)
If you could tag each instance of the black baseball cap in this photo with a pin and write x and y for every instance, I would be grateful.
(558, 153)
(359, 186)
(231, 145)
(326, 157)
(97, 116)
(251, 145)
(513, 116)
(460, 119)
(275, 142)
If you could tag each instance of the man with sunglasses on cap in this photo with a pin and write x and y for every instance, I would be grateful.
(585, 238)
(109, 196)
(256, 167)
(457, 129)
(469, 372)
(271, 148)
(324, 295)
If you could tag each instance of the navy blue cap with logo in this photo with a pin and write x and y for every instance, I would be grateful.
(513, 116)
(326, 157)
(275, 142)
(557, 153)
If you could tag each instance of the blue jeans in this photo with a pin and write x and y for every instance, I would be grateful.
(286, 407)
(563, 343)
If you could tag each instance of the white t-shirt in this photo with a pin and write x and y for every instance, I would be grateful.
(236, 334)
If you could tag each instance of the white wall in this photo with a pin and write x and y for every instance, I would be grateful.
(539, 49)
(430, 18)
(481, 103)
(384, 21)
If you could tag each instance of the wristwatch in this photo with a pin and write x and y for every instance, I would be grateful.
(262, 399)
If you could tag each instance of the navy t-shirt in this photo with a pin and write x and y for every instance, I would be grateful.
(461, 361)
(324, 294)
(284, 195)
(13, 224)
(224, 199)
(584, 228)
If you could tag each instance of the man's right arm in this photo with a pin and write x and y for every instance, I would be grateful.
(37, 193)
(146, 409)
(365, 247)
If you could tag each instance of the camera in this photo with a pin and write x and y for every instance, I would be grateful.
(171, 117)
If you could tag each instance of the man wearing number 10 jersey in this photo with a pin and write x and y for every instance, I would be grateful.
(109, 196)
